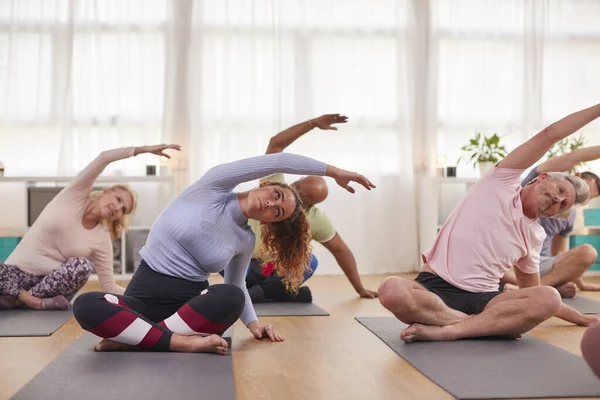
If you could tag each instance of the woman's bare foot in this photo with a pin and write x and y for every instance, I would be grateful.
(8, 302)
(421, 332)
(199, 344)
(567, 290)
(109, 345)
(508, 287)
(59, 302)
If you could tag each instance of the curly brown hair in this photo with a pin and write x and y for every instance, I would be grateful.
(286, 244)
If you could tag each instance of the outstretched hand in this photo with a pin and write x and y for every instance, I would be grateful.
(343, 178)
(159, 149)
(325, 121)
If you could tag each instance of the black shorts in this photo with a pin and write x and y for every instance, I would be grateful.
(458, 299)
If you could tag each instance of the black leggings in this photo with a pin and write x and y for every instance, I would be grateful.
(155, 306)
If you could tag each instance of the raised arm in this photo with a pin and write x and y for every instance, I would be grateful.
(531, 151)
(283, 139)
(227, 176)
(89, 174)
(568, 161)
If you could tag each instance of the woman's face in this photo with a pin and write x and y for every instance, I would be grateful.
(271, 203)
(114, 203)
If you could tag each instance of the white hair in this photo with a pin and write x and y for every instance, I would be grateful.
(582, 189)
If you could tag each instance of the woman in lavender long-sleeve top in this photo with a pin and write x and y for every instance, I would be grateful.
(169, 305)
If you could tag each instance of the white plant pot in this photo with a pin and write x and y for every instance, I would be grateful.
(484, 167)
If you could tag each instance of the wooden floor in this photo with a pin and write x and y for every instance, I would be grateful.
(322, 357)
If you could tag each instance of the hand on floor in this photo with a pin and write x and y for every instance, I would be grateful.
(591, 287)
(590, 320)
(267, 332)
(367, 294)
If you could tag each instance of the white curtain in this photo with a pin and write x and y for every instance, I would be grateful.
(507, 66)
(511, 67)
(78, 77)
(220, 77)
(417, 79)
(258, 67)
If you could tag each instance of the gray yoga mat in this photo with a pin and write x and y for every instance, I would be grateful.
(24, 322)
(283, 309)
(81, 373)
(492, 368)
(583, 304)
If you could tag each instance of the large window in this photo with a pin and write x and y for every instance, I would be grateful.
(77, 77)
(267, 65)
(511, 67)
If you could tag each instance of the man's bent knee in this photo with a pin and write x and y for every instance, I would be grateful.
(545, 302)
(395, 294)
(588, 254)
(388, 290)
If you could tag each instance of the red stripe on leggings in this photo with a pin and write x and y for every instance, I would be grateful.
(114, 325)
(151, 338)
(199, 323)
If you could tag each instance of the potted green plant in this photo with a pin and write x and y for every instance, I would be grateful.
(483, 151)
(567, 145)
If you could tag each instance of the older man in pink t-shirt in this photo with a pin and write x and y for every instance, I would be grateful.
(493, 229)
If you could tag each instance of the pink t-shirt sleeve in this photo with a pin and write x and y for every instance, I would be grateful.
(505, 176)
(530, 264)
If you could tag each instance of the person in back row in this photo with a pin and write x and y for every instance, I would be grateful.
(494, 228)
(54, 259)
(559, 266)
(263, 283)
(169, 305)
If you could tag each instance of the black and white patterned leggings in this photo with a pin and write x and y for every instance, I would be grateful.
(65, 280)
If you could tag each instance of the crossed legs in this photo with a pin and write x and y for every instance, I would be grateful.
(508, 314)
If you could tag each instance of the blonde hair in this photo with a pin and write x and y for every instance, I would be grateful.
(116, 227)
(286, 244)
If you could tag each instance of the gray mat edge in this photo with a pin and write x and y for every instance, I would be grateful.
(87, 336)
(579, 297)
(391, 348)
(358, 319)
(324, 313)
(70, 312)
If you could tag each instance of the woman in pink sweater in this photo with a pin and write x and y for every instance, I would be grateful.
(76, 229)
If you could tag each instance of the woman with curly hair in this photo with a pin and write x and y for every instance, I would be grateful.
(169, 305)
(54, 259)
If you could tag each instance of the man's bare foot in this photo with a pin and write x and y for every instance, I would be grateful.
(421, 332)
(109, 345)
(509, 287)
(199, 344)
(567, 290)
